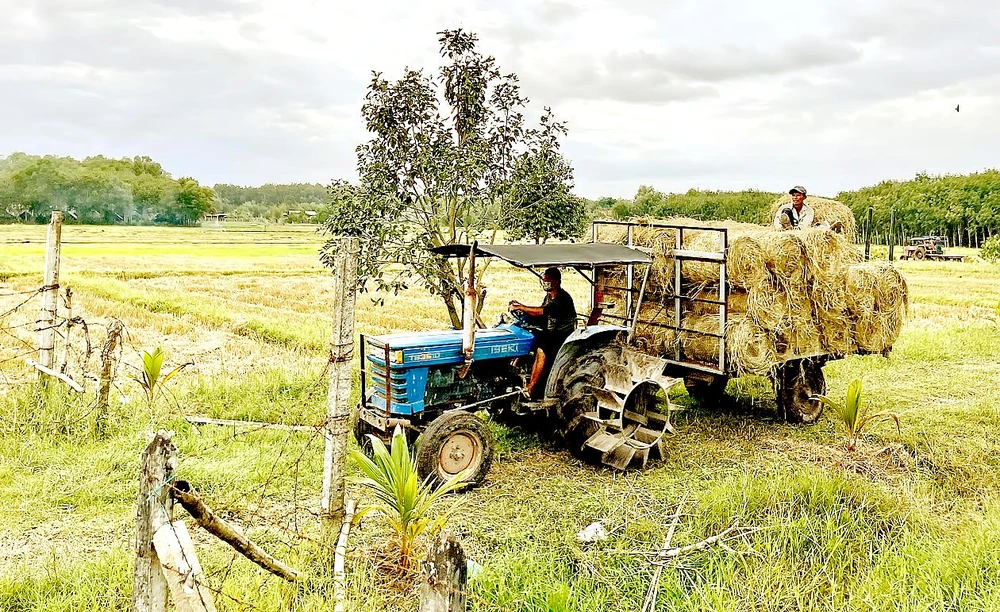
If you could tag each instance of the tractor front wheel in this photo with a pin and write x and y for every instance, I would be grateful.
(453, 443)
(795, 382)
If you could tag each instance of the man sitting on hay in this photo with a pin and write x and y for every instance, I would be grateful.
(795, 214)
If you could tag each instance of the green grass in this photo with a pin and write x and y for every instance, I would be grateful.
(910, 522)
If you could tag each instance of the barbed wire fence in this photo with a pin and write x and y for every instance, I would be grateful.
(40, 336)
(285, 505)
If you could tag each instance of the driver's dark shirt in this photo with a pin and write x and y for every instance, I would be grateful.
(559, 311)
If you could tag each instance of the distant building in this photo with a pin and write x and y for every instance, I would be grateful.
(215, 218)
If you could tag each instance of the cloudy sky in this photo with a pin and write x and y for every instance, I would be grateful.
(671, 93)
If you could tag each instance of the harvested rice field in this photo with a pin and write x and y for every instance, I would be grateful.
(908, 521)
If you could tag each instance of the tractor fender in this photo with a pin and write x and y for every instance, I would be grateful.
(577, 341)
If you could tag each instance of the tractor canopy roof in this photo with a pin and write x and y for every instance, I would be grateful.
(579, 255)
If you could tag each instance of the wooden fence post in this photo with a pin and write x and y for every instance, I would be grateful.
(105, 381)
(149, 589)
(50, 295)
(68, 303)
(184, 576)
(345, 281)
(445, 575)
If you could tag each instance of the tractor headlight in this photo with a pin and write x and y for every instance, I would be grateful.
(396, 357)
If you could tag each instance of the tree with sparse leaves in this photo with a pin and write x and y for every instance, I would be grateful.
(442, 167)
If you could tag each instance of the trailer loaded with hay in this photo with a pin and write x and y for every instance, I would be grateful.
(726, 299)
(673, 302)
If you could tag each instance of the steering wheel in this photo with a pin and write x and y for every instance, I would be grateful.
(524, 322)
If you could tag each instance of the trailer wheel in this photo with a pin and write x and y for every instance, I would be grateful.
(455, 442)
(795, 382)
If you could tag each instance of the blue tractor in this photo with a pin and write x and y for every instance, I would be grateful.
(604, 400)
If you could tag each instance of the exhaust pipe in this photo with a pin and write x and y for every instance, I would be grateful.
(469, 313)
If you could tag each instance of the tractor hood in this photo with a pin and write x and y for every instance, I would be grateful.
(421, 349)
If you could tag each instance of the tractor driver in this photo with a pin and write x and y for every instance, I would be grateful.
(796, 214)
(557, 318)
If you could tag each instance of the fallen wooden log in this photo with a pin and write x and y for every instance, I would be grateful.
(66, 379)
(184, 493)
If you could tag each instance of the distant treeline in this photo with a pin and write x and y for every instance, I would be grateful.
(965, 208)
(298, 202)
(749, 206)
(101, 190)
(98, 190)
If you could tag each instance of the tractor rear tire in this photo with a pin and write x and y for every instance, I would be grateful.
(795, 382)
(594, 441)
(920, 253)
(586, 370)
(455, 442)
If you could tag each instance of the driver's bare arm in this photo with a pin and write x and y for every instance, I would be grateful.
(535, 311)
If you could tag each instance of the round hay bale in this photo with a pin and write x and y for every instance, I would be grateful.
(767, 305)
(736, 301)
(798, 336)
(746, 263)
(749, 348)
(700, 346)
(786, 258)
(835, 214)
(836, 331)
(828, 252)
(877, 298)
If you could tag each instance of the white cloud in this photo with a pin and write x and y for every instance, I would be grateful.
(687, 93)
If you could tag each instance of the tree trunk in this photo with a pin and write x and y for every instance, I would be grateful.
(454, 314)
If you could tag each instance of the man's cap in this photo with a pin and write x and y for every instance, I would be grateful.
(798, 189)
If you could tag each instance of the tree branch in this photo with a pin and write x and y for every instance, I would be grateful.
(195, 505)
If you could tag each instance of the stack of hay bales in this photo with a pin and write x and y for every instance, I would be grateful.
(790, 294)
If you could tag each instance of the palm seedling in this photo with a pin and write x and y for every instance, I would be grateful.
(401, 497)
(149, 378)
(853, 414)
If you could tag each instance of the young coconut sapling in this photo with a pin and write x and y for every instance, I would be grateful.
(401, 497)
(149, 378)
(853, 414)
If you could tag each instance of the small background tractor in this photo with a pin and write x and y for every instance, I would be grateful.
(606, 398)
(928, 247)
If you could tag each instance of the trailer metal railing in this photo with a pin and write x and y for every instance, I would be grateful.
(676, 292)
